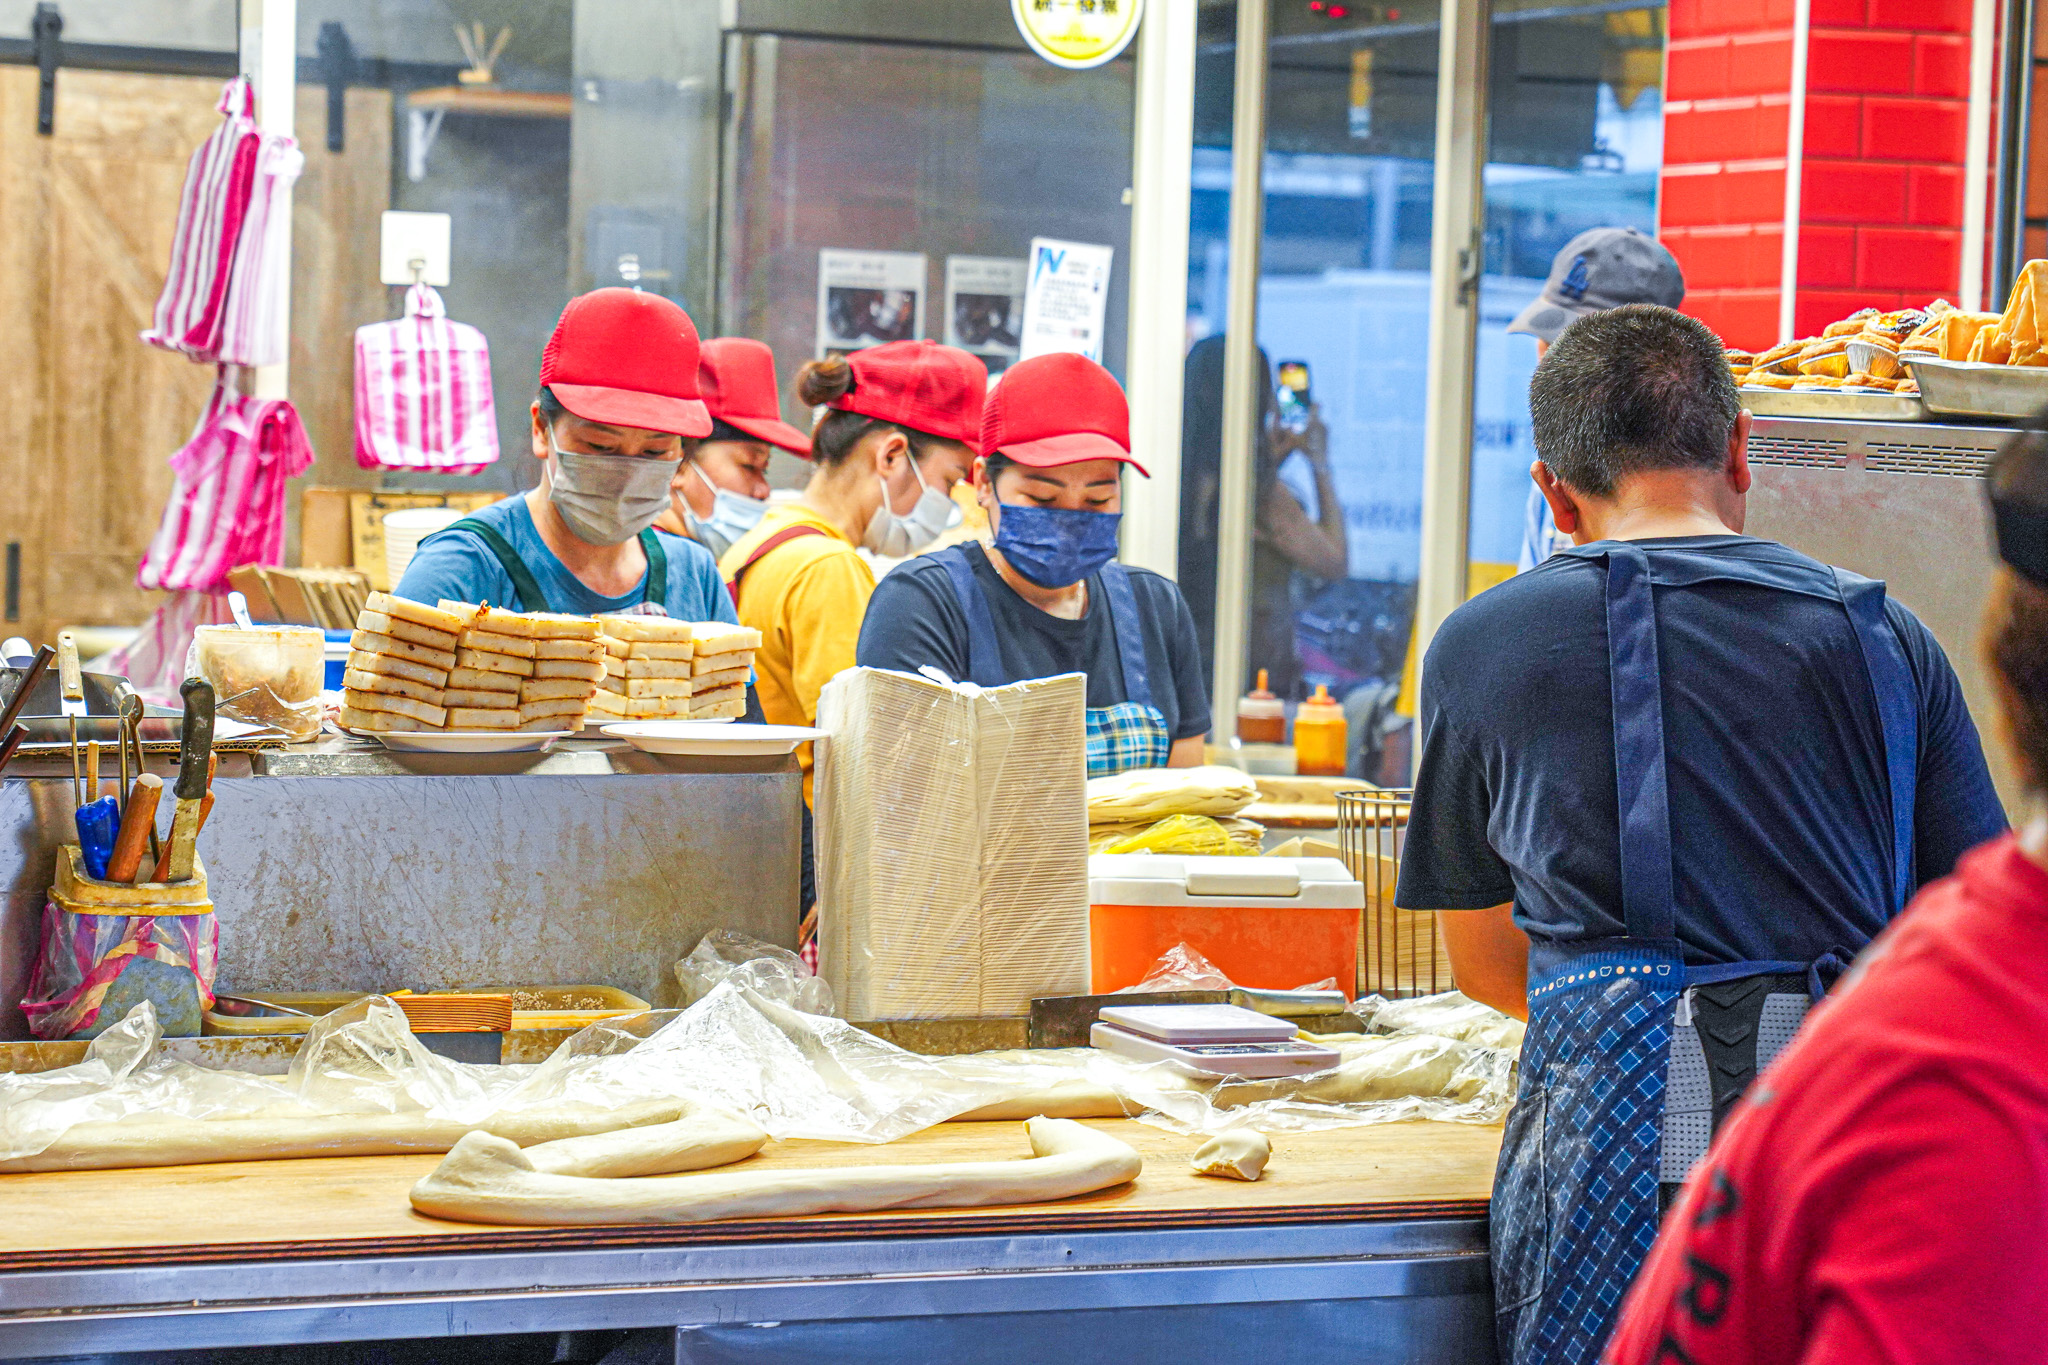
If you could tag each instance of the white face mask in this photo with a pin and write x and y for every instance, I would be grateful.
(607, 499)
(897, 535)
(732, 514)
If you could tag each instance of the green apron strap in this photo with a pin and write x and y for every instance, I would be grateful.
(657, 569)
(531, 598)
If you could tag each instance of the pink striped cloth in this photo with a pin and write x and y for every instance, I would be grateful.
(218, 183)
(154, 661)
(254, 317)
(423, 391)
(227, 500)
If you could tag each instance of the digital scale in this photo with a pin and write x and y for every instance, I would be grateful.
(1209, 1040)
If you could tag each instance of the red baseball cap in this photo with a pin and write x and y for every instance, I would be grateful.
(626, 359)
(928, 387)
(736, 377)
(1058, 409)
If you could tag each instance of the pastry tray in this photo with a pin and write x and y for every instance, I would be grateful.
(1860, 407)
(552, 1007)
(1964, 388)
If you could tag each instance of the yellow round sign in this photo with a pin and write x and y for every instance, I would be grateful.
(1077, 34)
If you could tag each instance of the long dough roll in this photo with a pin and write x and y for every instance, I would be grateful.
(180, 1142)
(486, 1179)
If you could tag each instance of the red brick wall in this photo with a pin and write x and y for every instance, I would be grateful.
(1881, 171)
(1721, 197)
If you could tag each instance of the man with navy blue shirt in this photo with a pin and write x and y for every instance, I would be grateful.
(1672, 779)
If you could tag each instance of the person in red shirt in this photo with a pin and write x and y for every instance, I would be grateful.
(1881, 1193)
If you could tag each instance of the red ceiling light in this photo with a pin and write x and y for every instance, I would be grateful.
(1338, 11)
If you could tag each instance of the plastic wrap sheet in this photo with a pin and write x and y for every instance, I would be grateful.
(952, 848)
(798, 1075)
(360, 1059)
(1452, 1014)
(774, 973)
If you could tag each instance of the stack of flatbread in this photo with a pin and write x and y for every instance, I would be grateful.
(398, 665)
(522, 670)
(657, 668)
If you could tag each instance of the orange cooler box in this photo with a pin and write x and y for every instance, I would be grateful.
(1272, 923)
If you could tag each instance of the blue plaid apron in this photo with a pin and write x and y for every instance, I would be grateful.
(1130, 734)
(1575, 1199)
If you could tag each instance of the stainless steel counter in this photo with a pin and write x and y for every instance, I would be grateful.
(1415, 1290)
(341, 866)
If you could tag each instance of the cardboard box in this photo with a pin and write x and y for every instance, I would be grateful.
(366, 511)
(324, 528)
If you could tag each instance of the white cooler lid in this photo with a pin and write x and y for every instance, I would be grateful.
(1167, 879)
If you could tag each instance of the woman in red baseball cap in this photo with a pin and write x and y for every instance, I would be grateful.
(1047, 595)
(720, 491)
(618, 400)
(902, 429)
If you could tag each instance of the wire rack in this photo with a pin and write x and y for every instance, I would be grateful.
(1400, 952)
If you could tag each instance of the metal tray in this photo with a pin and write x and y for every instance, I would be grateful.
(1861, 407)
(1963, 388)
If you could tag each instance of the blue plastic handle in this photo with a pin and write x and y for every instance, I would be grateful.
(97, 823)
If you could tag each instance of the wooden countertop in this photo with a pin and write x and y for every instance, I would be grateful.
(357, 1205)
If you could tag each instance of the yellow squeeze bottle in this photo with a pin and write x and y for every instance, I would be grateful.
(1320, 736)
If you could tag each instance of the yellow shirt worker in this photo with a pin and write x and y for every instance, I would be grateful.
(899, 435)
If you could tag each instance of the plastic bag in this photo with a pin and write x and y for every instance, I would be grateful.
(81, 955)
(1181, 968)
(1198, 835)
(773, 973)
(270, 676)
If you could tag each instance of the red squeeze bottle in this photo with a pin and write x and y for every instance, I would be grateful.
(1261, 719)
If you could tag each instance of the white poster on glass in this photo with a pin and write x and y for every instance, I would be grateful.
(985, 307)
(1066, 298)
(866, 298)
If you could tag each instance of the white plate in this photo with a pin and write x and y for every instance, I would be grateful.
(465, 741)
(729, 738)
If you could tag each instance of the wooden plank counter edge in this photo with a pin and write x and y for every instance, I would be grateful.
(356, 1206)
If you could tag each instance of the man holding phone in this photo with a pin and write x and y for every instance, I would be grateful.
(1601, 268)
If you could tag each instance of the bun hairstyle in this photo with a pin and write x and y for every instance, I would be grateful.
(838, 432)
(821, 381)
(2014, 638)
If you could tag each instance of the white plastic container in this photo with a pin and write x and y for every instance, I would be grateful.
(405, 528)
(1270, 923)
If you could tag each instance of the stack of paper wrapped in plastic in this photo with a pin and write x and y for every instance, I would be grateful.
(952, 849)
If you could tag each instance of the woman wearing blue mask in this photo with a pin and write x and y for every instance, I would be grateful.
(1046, 595)
(720, 490)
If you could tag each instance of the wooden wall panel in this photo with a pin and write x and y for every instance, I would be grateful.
(336, 213)
(95, 414)
(89, 215)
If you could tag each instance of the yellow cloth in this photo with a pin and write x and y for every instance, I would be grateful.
(807, 597)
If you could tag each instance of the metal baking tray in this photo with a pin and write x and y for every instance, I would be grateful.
(1963, 388)
(1860, 407)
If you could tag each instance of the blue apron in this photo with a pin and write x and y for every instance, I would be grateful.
(1575, 1204)
(1130, 734)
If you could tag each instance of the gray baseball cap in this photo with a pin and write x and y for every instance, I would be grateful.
(1601, 268)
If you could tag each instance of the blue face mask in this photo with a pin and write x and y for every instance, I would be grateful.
(1056, 547)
